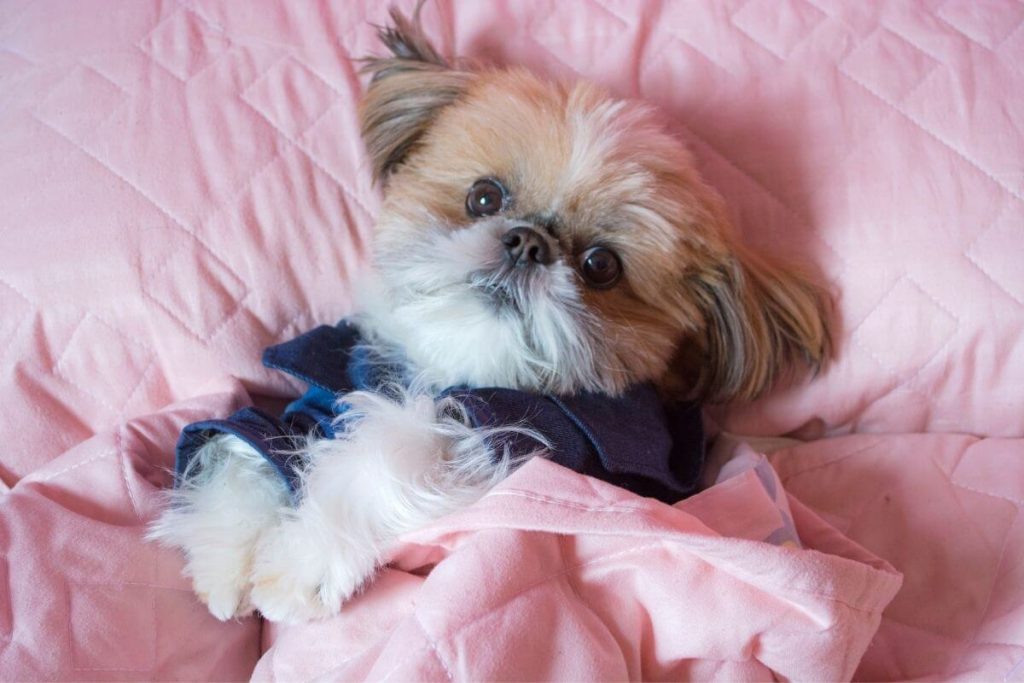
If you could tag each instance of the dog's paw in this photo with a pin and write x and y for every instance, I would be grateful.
(286, 596)
(298, 577)
(218, 559)
(225, 597)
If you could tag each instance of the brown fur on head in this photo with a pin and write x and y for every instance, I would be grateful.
(692, 309)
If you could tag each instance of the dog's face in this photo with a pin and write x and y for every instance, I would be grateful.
(551, 238)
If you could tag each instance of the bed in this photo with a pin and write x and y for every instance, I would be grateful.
(183, 185)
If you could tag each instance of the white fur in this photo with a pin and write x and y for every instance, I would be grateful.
(399, 463)
(430, 302)
(229, 499)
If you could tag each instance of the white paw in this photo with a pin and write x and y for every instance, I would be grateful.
(217, 521)
(225, 597)
(300, 577)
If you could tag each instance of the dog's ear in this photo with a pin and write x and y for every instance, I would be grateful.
(758, 319)
(407, 91)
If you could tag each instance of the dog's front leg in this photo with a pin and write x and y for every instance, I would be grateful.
(398, 464)
(217, 518)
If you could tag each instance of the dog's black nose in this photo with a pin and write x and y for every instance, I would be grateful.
(526, 246)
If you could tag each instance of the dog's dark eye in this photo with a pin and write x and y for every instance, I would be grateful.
(600, 267)
(485, 198)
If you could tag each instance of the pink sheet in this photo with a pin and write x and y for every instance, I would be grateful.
(81, 596)
(553, 576)
(183, 185)
(946, 511)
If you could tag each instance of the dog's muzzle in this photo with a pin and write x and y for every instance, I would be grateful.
(526, 247)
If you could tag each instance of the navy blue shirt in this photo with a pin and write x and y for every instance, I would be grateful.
(633, 440)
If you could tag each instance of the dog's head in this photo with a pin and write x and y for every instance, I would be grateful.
(548, 237)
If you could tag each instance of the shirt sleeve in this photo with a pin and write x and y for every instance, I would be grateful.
(271, 437)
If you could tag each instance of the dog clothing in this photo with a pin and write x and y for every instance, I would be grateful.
(632, 441)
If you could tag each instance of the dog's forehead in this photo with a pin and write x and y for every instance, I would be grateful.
(567, 151)
(553, 142)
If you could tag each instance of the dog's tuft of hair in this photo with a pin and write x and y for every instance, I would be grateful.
(408, 90)
(406, 41)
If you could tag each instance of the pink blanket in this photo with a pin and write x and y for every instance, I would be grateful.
(553, 576)
(183, 185)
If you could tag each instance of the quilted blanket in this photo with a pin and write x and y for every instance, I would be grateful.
(183, 185)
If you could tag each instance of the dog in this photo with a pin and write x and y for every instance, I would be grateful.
(536, 236)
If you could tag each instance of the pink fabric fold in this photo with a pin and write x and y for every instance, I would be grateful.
(82, 597)
(554, 576)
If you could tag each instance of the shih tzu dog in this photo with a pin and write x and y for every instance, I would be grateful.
(534, 237)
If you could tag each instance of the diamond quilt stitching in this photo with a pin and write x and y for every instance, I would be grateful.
(950, 17)
(11, 308)
(87, 366)
(59, 370)
(894, 369)
(209, 53)
(281, 75)
(789, 473)
(199, 335)
(936, 137)
(695, 49)
(927, 129)
(1002, 496)
(893, 384)
(293, 141)
(984, 271)
(70, 468)
(793, 13)
(174, 220)
(988, 602)
(672, 26)
(876, 47)
(342, 185)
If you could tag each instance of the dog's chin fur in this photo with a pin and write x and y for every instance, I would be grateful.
(693, 312)
(460, 315)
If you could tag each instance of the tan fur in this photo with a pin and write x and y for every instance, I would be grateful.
(694, 311)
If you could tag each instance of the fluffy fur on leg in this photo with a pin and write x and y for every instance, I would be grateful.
(230, 497)
(399, 463)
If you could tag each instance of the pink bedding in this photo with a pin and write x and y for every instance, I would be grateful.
(183, 185)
